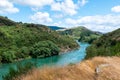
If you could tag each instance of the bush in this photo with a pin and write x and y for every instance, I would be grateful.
(44, 49)
(24, 52)
(8, 56)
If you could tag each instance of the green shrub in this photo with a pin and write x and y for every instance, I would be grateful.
(8, 56)
(24, 52)
(44, 49)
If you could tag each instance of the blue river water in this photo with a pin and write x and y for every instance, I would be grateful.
(74, 56)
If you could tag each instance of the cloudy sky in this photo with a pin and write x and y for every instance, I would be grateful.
(97, 15)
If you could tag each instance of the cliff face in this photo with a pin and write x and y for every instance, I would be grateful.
(98, 68)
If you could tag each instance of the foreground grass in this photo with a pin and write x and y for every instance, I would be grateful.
(98, 68)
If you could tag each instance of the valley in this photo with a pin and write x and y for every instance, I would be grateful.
(77, 50)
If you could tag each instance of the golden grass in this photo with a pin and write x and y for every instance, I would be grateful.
(86, 70)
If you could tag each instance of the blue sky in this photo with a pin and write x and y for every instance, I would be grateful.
(97, 15)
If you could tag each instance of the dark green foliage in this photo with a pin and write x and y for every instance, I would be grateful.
(6, 21)
(23, 52)
(44, 49)
(0, 59)
(8, 56)
(107, 45)
(82, 34)
(19, 70)
(16, 42)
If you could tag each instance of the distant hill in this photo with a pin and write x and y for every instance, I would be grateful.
(82, 34)
(24, 40)
(55, 27)
(106, 45)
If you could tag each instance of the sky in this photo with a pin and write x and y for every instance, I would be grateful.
(97, 15)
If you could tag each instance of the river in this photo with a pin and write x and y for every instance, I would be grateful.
(74, 56)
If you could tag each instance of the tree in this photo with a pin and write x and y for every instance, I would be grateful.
(8, 56)
(44, 49)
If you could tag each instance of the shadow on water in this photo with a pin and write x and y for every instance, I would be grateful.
(74, 56)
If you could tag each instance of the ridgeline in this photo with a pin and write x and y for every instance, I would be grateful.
(82, 34)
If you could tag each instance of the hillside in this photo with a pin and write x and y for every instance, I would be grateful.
(6, 21)
(31, 40)
(106, 45)
(98, 68)
(82, 34)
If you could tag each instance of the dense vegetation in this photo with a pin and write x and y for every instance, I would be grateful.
(82, 34)
(107, 45)
(31, 40)
(44, 49)
(6, 21)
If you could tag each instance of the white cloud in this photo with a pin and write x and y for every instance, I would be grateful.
(58, 16)
(72, 22)
(82, 2)
(103, 23)
(34, 3)
(57, 23)
(56, 6)
(68, 6)
(7, 7)
(116, 9)
(41, 18)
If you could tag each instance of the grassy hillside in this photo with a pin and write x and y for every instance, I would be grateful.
(82, 34)
(107, 45)
(98, 68)
(31, 40)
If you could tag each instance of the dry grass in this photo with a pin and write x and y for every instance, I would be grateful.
(85, 70)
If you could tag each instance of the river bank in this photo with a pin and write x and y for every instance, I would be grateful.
(98, 68)
(74, 56)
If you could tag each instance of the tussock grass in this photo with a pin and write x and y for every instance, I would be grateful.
(85, 70)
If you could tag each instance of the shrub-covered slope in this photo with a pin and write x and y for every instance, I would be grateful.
(107, 45)
(6, 21)
(82, 34)
(31, 40)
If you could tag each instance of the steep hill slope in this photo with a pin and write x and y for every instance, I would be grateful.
(82, 34)
(107, 45)
(31, 40)
(98, 68)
